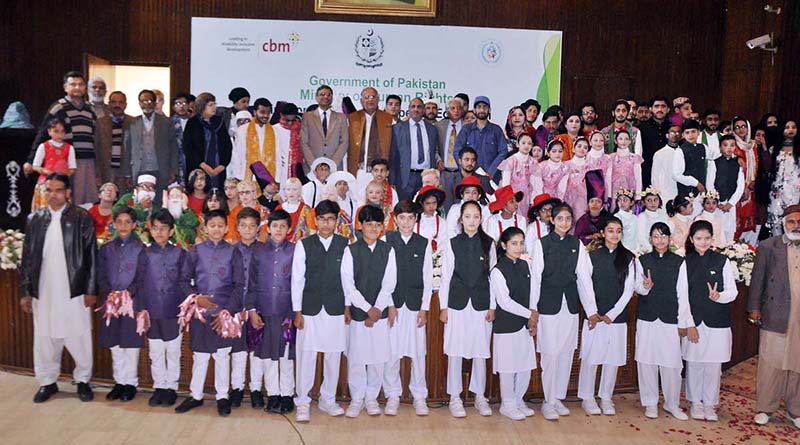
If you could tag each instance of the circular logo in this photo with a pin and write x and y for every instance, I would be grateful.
(491, 51)
(369, 50)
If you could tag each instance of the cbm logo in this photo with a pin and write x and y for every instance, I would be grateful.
(271, 46)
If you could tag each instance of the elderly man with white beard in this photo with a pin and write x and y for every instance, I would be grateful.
(774, 304)
(186, 222)
(142, 201)
(97, 96)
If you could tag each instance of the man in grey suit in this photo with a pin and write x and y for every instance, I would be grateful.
(774, 302)
(150, 146)
(446, 162)
(415, 143)
(324, 132)
(111, 129)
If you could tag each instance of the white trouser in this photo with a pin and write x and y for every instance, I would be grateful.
(364, 381)
(47, 357)
(276, 375)
(306, 368)
(238, 369)
(728, 222)
(125, 365)
(513, 386)
(222, 373)
(670, 385)
(587, 377)
(556, 369)
(477, 378)
(165, 362)
(702, 382)
(392, 387)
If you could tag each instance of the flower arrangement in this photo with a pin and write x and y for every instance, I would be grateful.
(11, 249)
(742, 257)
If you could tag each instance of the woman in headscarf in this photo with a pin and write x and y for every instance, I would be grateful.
(747, 152)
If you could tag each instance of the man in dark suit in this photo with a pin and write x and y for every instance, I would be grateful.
(111, 129)
(415, 143)
(774, 302)
(150, 146)
(324, 132)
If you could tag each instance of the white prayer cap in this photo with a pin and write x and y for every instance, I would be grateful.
(244, 114)
(146, 178)
(432, 100)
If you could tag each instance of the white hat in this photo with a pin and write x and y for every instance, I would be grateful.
(346, 176)
(322, 160)
(431, 100)
(244, 114)
(145, 178)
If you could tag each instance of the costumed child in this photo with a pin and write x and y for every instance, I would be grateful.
(710, 198)
(518, 168)
(270, 197)
(505, 213)
(269, 302)
(551, 176)
(52, 156)
(380, 173)
(613, 278)
(344, 225)
(578, 166)
(213, 276)
(117, 261)
(186, 221)
(515, 324)
(320, 171)
(663, 311)
(681, 214)
(561, 278)
(408, 312)
(587, 227)
(541, 219)
(142, 201)
(726, 177)
(652, 214)
(369, 276)
(375, 193)
(470, 189)
(626, 166)
(158, 286)
(429, 224)
(319, 311)
(467, 308)
(624, 201)
(344, 181)
(599, 160)
(102, 211)
(302, 221)
(712, 289)
(215, 200)
(198, 187)
(231, 197)
(248, 222)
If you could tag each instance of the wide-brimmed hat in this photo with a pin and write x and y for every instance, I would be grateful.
(430, 190)
(502, 196)
(539, 201)
(469, 181)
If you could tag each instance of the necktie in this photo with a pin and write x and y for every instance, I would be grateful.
(325, 123)
(420, 146)
(451, 147)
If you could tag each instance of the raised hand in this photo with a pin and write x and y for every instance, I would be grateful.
(648, 281)
(712, 292)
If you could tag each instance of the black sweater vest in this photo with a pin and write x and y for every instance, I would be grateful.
(323, 286)
(694, 158)
(558, 276)
(661, 303)
(702, 271)
(470, 281)
(727, 174)
(607, 288)
(518, 280)
(410, 259)
(369, 267)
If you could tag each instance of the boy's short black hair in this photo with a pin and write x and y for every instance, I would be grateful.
(248, 212)
(59, 177)
(370, 213)
(164, 217)
(465, 150)
(215, 214)
(726, 137)
(379, 161)
(280, 215)
(122, 210)
(327, 207)
(406, 206)
(394, 96)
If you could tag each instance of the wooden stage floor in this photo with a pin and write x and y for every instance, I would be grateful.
(65, 420)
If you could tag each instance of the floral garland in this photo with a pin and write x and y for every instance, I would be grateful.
(11, 249)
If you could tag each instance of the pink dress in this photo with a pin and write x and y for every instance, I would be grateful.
(550, 174)
(576, 195)
(622, 171)
(521, 169)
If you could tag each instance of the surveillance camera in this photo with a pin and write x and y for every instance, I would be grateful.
(759, 42)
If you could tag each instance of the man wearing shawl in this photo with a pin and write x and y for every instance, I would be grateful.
(254, 141)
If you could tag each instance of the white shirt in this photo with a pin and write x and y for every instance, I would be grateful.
(712, 144)
(427, 275)
(354, 297)
(312, 192)
(454, 227)
(283, 138)
(661, 175)
(496, 224)
(583, 271)
(365, 142)
(148, 122)
(349, 205)
(426, 227)
(183, 123)
(458, 124)
(535, 231)
(238, 167)
(501, 294)
(414, 145)
(679, 165)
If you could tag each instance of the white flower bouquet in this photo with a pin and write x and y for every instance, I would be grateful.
(742, 256)
(11, 249)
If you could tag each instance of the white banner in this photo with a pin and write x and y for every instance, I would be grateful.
(288, 60)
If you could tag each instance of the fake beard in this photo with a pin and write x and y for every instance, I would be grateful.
(142, 195)
(175, 208)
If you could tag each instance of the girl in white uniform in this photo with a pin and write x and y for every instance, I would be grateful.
(712, 289)
(470, 189)
(607, 344)
(561, 279)
(663, 311)
(514, 325)
(540, 217)
(467, 308)
(506, 202)
(653, 213)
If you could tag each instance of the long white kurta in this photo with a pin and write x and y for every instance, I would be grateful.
(55, 313)
(557, 334)
(467, 334)
(607, 344)
(496, 224)
(322, 332)
(515, 351)
(368, 346)
(407, 340)
(426, 227)
(658, 343)
(630, 225)
(715, 344)
(454, 227)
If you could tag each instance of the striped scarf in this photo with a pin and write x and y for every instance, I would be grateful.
(116, 142)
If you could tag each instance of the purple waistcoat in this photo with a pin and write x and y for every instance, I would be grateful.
(270, 279)
(158, 285)
(117, 264)
(214, 268)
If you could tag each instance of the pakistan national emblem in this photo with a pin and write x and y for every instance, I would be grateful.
(369, 50)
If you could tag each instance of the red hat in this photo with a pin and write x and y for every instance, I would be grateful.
(539, 201)
(502, 196)
(469, 181)
(429, 190)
